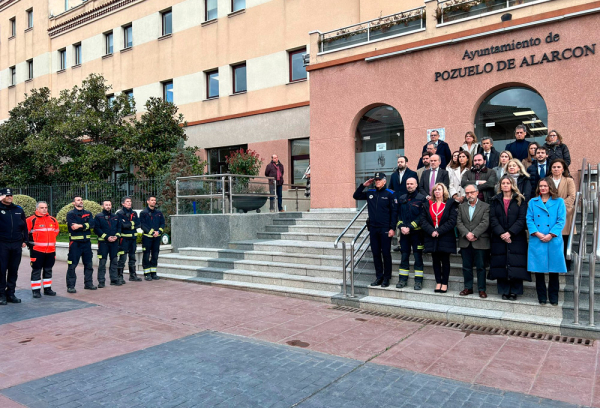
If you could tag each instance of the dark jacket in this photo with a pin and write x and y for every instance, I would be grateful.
(106, 224)
(441, 176)
(128, 223)
(494, 158)
(151, 221)
(13, 224)
(534, 175)
(83, 217)
(508, 260)
(524, 186)
(410, 206)
(381, 205)
(519, 149)
(399, 186)
(271, 171)
(558, 151)
(487, 188)
(446, 241)
(443, 150)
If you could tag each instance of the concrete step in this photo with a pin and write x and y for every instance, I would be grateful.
(312, 229)
(302, 236)
(584, 312)
(584, 294)
(318, 222)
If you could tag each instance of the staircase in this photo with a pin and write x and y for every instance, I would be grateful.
(295, 257)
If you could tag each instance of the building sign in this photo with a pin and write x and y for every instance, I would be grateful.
(379, 147)
(513, 63)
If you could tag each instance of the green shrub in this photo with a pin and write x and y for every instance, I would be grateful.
(64, 229)
(91, 206)
(26, 203)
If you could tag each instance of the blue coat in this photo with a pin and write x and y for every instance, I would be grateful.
(546, 218)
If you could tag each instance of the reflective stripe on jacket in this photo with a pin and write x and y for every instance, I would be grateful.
(43, 232)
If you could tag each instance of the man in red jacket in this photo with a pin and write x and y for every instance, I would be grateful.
(43, 230)
(275, 170)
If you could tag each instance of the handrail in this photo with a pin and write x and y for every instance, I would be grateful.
(593, 258)
(371, 21)
(569, 254)
(335, 244)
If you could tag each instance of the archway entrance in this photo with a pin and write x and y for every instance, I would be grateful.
(503, 110)
(379, 140)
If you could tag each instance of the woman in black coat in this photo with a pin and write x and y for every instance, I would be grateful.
(438, 220)
(516, 170)
(556, 148)
(508, 220)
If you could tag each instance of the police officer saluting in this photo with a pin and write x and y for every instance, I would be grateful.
(153, 224)
(382, 223)
(80, 223)
(128, 223)
(107, 228)
(13, 238)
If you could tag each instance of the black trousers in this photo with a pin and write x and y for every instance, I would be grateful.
(472, 257)
(83, 250)
(127, 247)
(41, 261)
(551, 293)
(279, 190)
(107, 250)
(381, 246)
(10, 259)
(510, 286)
(414, 242)
(151, 247)
(441, 267)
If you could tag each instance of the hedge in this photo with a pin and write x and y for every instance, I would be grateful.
(26, 203)
(91, 206)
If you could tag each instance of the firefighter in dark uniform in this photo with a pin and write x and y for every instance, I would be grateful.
(411, 236)
(128, 223)
(382, 208)
(106, 226)
(13, 238)
(80, 223)
(153, 224)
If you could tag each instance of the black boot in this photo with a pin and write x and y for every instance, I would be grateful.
(154, 277)
(2, 300)
(36, 293)
(13, 299)
(101, 285)
(148, 276)
(49, 292)
(116, 282)
(120, 276)
(133, 275)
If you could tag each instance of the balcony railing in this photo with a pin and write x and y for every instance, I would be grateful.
(454, 10)
(406, 22)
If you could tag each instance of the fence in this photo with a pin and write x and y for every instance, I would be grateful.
(59, 195)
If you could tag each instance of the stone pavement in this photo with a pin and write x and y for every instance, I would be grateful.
(158, 344)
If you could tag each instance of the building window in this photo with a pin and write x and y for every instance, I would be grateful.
(128, 36)
(211, 9)
(237, 5)
(77, 53)
(297, 68)
(168, 91)
(30, 18)
(13, 76)
(300, 160)
(30, 69)
(110, 99)
(108, 41)
(217, 158)
(212, 84)
(66, 5)
(239, 78)
(129, 94)
(167, 22)
(13, 26)
(62, 57)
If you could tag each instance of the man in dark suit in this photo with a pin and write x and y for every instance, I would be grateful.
(435, 174)
(520, 147)
(431, 149)
(400, 175)
(540, 167)
(441, 149)
(490, 154)
(483, 178)
(473, 238)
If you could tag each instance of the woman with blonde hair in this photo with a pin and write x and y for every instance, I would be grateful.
(456, 173)
(515, 169)
(438, 220)
(505, 156)
(471, 146)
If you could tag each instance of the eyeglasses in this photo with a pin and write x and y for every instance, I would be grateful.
(552, 135)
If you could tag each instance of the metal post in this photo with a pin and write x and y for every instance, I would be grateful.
(592, 272)
(223, 192)
(344, 290)
(177, 197)
(351, 270)
(230, 196)
(369, 31)
(51, 199)
(86, 191)
(211, 197)
(297, 206)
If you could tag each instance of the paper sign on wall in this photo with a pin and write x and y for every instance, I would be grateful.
(380, 147)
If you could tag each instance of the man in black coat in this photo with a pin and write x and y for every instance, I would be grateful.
(431, 149)
(400, 175)
(435, 174)
(484, 179)
(490, 154)
(442, 149)
(520, 147)
(13, 238)
(540, 168)
(275, 170)
(80, 223)
(108, 230)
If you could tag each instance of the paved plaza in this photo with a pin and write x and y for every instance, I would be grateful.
(177, 344)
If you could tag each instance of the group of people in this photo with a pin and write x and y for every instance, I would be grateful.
(509, 213)
(117, 243)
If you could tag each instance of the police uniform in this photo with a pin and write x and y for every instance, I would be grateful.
(382, 218)
(410, 206)
(13, 233)
(128, 224)
(43, 230)
(151, 221)
(80, 247)
(106, 224)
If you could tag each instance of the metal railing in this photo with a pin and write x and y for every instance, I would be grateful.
(354, 250)
(455, 10)
(402, 23)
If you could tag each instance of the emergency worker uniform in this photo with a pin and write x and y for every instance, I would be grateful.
(107, 225)
(43, 230)
(13, 233)
(382, 209)
(128, 223)
(409, 212)
(80, 247)
(151, 221)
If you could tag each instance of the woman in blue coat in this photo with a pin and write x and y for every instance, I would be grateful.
(546, 217)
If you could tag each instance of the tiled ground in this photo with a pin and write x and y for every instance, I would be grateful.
(140, 315)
